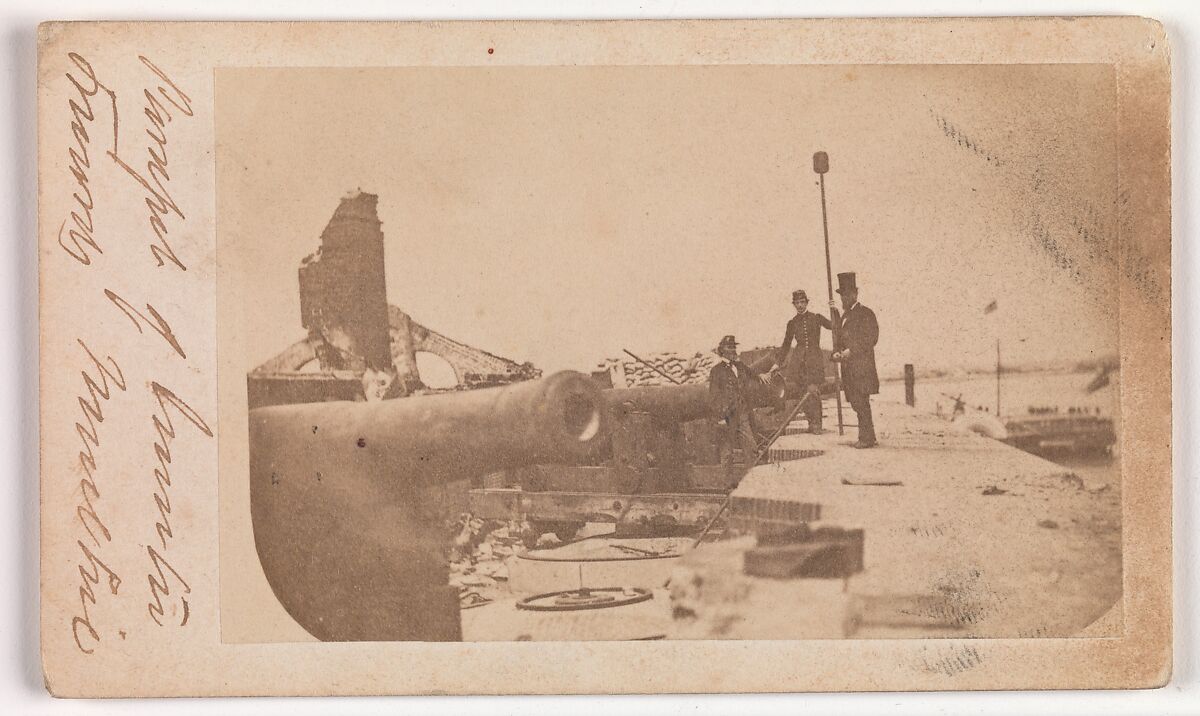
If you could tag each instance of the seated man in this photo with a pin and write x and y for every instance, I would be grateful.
(730, 383)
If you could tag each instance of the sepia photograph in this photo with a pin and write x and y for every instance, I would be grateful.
(606, 357)
(683, 352)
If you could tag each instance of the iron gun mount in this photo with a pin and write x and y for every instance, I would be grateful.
(656, 471)
(348, 538)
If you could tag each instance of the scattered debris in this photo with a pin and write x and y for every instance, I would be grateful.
(872, 483)
(494, 569)
(548, 540)
(1072, 480)
(477, 556)
(644, 552)
(471, 599)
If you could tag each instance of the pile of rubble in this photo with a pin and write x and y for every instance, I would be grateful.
(477, 555)
(628, 373)
(479, 549)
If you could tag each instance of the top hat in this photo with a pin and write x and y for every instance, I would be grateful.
(846, 283)
(727, 342)
(799, 295)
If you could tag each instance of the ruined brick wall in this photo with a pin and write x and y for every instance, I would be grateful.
(343, 294)
(365, 348)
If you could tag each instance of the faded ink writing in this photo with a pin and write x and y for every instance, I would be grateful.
(164, 426)
(79, 236)
(98, 389)
(159, 201)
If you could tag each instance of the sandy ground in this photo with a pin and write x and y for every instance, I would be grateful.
(979, 539)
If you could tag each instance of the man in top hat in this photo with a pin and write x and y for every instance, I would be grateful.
(805, 366)
(854, 346)
(730, 383)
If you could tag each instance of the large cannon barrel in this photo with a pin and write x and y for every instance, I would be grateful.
(344, 539)
(682, 403)
(432, 439)
(666, 403)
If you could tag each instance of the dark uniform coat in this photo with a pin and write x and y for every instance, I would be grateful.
(807, 364)
(729, 394)
(859, 331)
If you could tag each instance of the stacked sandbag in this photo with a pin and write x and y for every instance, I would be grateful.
(679, 369)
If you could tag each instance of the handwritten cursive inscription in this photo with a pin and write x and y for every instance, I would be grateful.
(160, 587)
(98, 389)
(97, 561)
(157, 196)
(164, 426)
(168, 402)
(157, 323)
(80, 235)
(89, 577)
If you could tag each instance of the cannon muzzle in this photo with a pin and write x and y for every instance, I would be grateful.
(347, 542)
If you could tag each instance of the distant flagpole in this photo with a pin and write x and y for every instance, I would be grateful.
(997, 378)
(991, 308)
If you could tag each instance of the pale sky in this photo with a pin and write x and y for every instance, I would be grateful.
(558, 215)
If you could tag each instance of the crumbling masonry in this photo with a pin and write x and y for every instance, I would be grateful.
(363, 347)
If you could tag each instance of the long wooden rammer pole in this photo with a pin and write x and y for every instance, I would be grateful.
(821, 166)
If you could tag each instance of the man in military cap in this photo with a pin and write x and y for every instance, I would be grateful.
(804, 367)
(730, 383)
(854, 347)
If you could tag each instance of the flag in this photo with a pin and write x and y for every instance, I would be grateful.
(1100, 380)
(990, 307)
